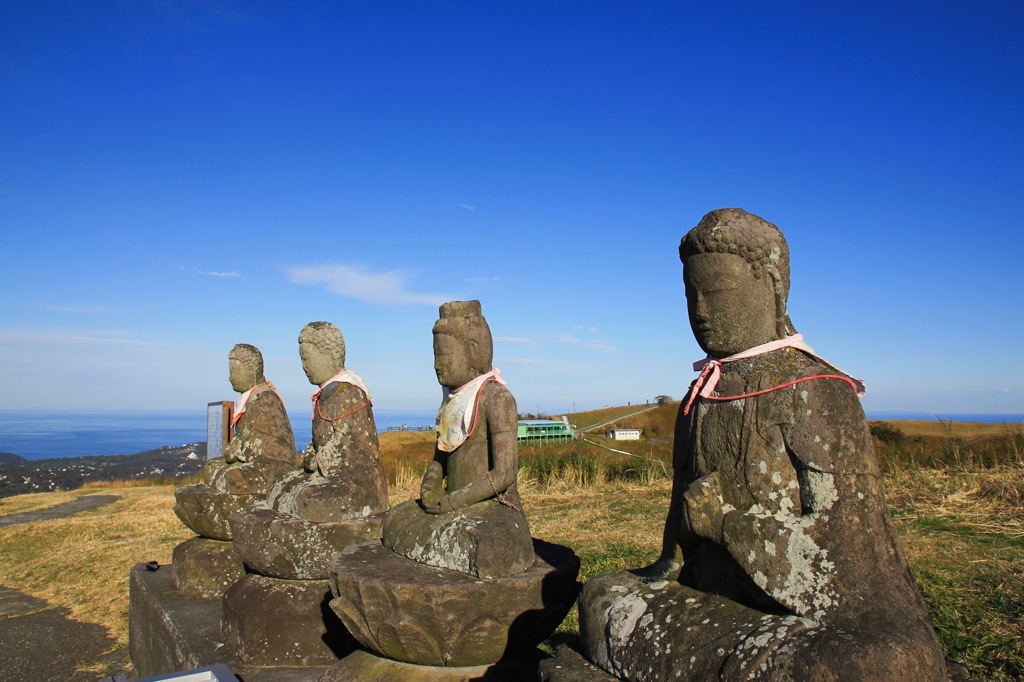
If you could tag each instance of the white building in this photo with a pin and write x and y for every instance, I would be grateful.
(623, 434)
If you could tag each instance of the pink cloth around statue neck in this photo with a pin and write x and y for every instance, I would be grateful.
(711, 370)
(243, 400)
(345, 376)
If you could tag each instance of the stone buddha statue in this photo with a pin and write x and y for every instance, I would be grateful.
(342, 474)
(339, 493)
(469, 517)
(263, 447)
(780, 560)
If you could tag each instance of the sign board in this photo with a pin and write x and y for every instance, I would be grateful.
(218, 427)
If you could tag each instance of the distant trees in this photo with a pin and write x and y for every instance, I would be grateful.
(662, 399)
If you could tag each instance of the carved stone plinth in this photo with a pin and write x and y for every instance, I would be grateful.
(205, 569)
(431, 616)
(206, 510)
(363, 665)
(270, 622)
(569, 666)
(282, 546)
(168, 633)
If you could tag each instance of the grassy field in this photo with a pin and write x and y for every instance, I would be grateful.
(958, 501)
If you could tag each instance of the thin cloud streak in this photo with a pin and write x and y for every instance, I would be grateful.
(38, 337)
(516, 341)
(358, 282)
(75, 309)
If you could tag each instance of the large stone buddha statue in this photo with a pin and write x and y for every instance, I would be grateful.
(780, 560)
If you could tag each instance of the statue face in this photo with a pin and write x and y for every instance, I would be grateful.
(318, 364)
(451, 361)
(241, 375)
(730, 309)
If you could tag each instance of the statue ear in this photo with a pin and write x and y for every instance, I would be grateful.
(783, 325)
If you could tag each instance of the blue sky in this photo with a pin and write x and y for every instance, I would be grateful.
(178, 177)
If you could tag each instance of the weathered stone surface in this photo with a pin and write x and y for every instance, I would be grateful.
(485, 540)
(282, 546)
(263, 448)
(367, 667)
(469, 517)
(205, 569)
(206, 510)
(270, 622)
(168, 633)
(431, 616)
(569, 666)
(780, 559)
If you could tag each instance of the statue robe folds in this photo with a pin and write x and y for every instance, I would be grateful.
(481, 534)
(792, 568)
(263, 448)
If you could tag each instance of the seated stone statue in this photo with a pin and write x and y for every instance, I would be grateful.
(342, 475)
(780, 560)
(469, 517)
(263, 447)
(340, 492)
(456, 581)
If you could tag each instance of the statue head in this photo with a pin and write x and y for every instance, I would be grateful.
(322, 349)
(736, 272)
(245, 365)
(462, 344)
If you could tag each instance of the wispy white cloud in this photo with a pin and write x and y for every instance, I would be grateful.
(516, 341)
(75, 309)
(44, 337)
(360, 283)
(481, 280)
(589, 330)
(214, 274)
(467, 207)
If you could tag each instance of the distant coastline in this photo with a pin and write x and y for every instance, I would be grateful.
(48, 434)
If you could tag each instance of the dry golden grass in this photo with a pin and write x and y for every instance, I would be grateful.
(35, 501)
(963, 430)
(83, 561)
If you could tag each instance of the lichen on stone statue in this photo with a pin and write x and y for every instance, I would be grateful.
(262, 448)
(780, 560)
(469, 517)
(339, 493)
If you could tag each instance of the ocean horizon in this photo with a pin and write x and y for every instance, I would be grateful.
(49, 434)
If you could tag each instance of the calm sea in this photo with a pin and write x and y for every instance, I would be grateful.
(38, 434)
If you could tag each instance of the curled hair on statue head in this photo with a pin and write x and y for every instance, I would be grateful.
(327, 337)
(251, 357)
(755, 240)
(464, 322)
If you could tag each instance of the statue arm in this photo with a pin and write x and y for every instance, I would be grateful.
(270, 430)
(498, 411)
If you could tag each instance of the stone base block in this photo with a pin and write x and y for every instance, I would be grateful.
(367, 667)
(431, 616)
(168, 633)
(569, 666)
(205, 569)
(206, 511)
(273, 622)
(282, 546)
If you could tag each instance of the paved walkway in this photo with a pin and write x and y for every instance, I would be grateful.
(81, 504)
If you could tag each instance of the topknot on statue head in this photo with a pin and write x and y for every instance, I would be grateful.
(464, 322)
(752, 238)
